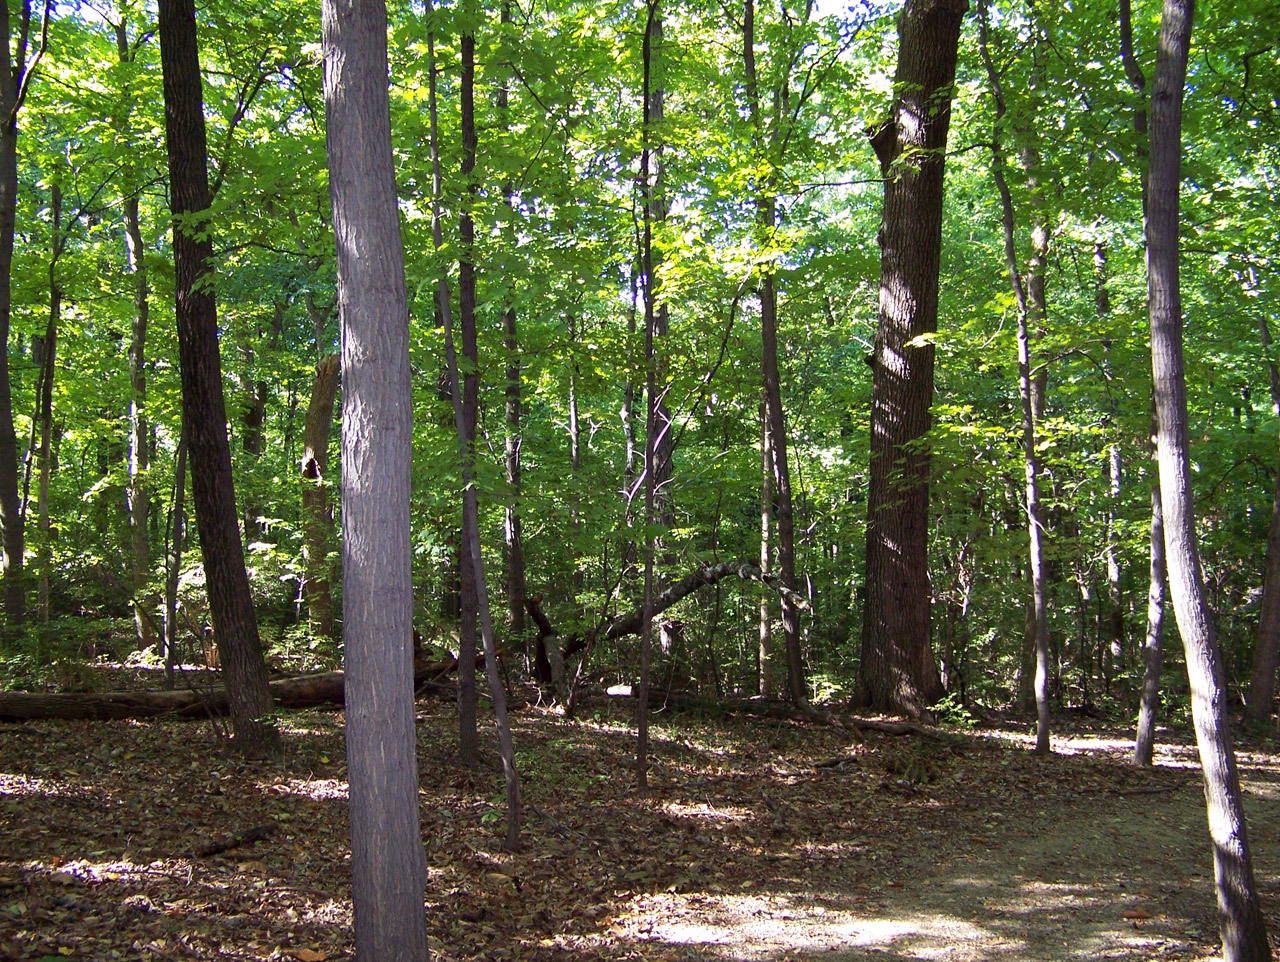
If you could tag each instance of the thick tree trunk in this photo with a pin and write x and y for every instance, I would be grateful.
(897, 671)
(317, 514)
(204, 411)
(388, 865)
(1244, 937)
(14, 77)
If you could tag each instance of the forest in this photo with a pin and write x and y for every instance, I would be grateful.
(871, 388)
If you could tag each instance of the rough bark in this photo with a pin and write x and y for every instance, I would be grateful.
(1243, 930)
(1029, 299)
(317, 514)
(388, 864)
(15, 77)
(203, 406)
(897, 671)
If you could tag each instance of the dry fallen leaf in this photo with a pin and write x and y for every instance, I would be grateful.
(306, 955)
(1137, 914)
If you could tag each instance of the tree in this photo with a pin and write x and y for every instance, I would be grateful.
(387, 859)
(897, 671)
(204, 411)
(1244, 937)
(317, 514)
(17, 67)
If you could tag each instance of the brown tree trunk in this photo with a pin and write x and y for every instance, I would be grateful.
(1244, 937)
(1030, 306)
(897, 671)
(317, 515)
(468, 736)
(470, 506)
(178, 533)
(15, 76)
(45, 414)
(204, 410)
(388, 864)
(764, 665)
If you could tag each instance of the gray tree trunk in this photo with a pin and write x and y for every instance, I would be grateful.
(317, 514)
(1244, 937)
(388, 864)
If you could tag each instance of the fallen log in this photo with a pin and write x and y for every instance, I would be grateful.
(300, 691)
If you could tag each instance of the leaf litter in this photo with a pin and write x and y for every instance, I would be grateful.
(757, 840)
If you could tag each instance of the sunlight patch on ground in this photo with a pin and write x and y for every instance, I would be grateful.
(721, 813)
(14, 784)
(753, 927)
(320, 789)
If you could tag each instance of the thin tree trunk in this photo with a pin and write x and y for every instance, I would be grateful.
(897, 671)
(317, 515)
(204, 409)
(1266, 650)
(178, 527)
(470, 505)
(139, 497)
(50, 366)
(1244, 937)
(468, 735)
(512, 533)
(647, 177)
(764, 652)
(1027, 309)
(658, 207)
(388, 864)
(1153, 647)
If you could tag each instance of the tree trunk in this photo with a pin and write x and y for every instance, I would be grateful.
(1030, 306)
(15, 74)
(470, 505)
(468, 735)
(1153, 647)
(897, 671)
(45, 405)
(178, 529)
(1244, 937)
(317, 515)
(764, 665)
(1266, 649)
(204, 409)
(388, 864)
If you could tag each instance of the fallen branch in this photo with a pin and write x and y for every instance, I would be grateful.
(249, 835)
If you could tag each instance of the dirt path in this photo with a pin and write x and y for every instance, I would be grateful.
(1089, 875)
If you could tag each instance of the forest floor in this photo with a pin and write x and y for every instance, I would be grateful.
(759, 840)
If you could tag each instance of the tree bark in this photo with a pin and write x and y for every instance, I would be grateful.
(470, 505)
(388, 863)
(1030, 305)
(45, 412)
(204, 409)
(15, 77)
(1243, 930)
(764, 661)
(178, 529)
(317, 514)
(897, 671)
(468, 735)
(1153, 646)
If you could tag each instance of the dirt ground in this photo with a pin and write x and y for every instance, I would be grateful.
(760, 840)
